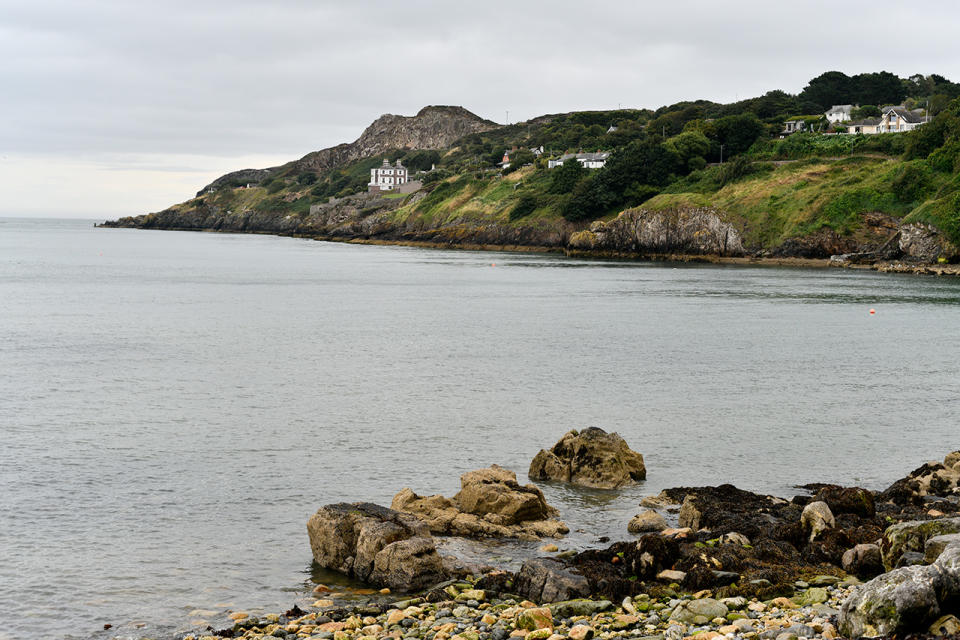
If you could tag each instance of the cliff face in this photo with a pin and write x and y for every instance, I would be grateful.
(434, 127)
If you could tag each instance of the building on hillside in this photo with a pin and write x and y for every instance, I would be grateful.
(387, 177)
(794, 126)
(866, 126)
(587, 160)
(839, 113)
(900, 118)
(505, 161)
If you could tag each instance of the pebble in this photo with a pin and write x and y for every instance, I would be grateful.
(491, 618)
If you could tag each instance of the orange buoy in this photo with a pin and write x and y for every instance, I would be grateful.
(872, 311)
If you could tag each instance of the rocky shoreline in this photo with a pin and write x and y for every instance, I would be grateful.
(833, 562)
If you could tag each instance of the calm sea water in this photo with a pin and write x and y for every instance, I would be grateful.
(174, 406)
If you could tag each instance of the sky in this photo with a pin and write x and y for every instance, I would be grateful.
(112, 108)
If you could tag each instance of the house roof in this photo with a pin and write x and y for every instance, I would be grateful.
(866, 122)
(842, 108)
(912, 117)
(600, 155)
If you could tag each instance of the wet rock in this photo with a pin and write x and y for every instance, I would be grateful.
(589, 458)
(816, 518)
(579, 607)
(535, 618)
(926, 243)
(491, 503)
(646, 522)
(863, 560)
(912, 536)
(375, 544)
(549, 580)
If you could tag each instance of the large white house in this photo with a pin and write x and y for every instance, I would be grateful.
(387, 177)
(588, 160)
(839, 113)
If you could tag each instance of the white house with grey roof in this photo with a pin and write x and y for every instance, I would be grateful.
(839, 113)
(587, 160)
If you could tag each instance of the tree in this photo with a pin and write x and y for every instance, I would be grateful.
(828, 89)
(877, 88)
(866, 111)
(421, 160)
(689, 146)
(566, 176)
(737, 133)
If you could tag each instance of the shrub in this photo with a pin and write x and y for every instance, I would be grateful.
(911, 182)
(526, 204)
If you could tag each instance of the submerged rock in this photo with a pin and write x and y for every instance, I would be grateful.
(491, 503)
(589, 458)
(375, 544)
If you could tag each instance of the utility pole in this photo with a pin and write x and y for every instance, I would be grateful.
(721, 154)
(508, 116)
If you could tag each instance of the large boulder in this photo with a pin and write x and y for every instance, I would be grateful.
(550, 580)
(863, 561)
(491, 503)
(375, 544)
(699, 611)
(647, 521)
(589, 458)
(847, 500)
(905, 600)
(817, 518)
(912, 536)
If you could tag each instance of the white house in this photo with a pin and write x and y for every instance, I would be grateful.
(588, 160)
(839, 113)
(900, 119)
(387, 177)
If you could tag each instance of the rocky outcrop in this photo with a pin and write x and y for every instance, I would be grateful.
(434, 127)
(932, 479)
(904, 600)
(926, 243)
(589, 458)
(688, 231)
(863, 561)
(490, 503)
(375, 544)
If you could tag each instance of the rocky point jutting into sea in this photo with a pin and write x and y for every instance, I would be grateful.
(483, 207)
(832, 562)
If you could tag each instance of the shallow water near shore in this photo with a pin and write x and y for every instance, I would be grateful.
(174, 406)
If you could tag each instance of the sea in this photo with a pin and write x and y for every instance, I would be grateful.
(175, 405)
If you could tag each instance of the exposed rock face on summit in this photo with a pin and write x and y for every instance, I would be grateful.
(491, 503)
(589, 458)
(434, 127)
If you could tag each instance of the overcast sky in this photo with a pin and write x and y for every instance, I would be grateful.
(113, 108)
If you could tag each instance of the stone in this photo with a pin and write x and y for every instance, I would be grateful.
(535, 618)
(550, 580)
(699, 611)
(579, 607)
(936, 545)
(897, 602)
(817, 518)
(690, 515)
(581, 632)
(647, 521)
(550, 548)
(375, 544)
(947, 625)
(670, 575)
(931, 479)
(394, 616)
(926, 243)
(863, 560)
(814, 595)
(912, 536)
(589, 458)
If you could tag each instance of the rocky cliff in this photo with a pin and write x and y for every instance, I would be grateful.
(434, 127)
